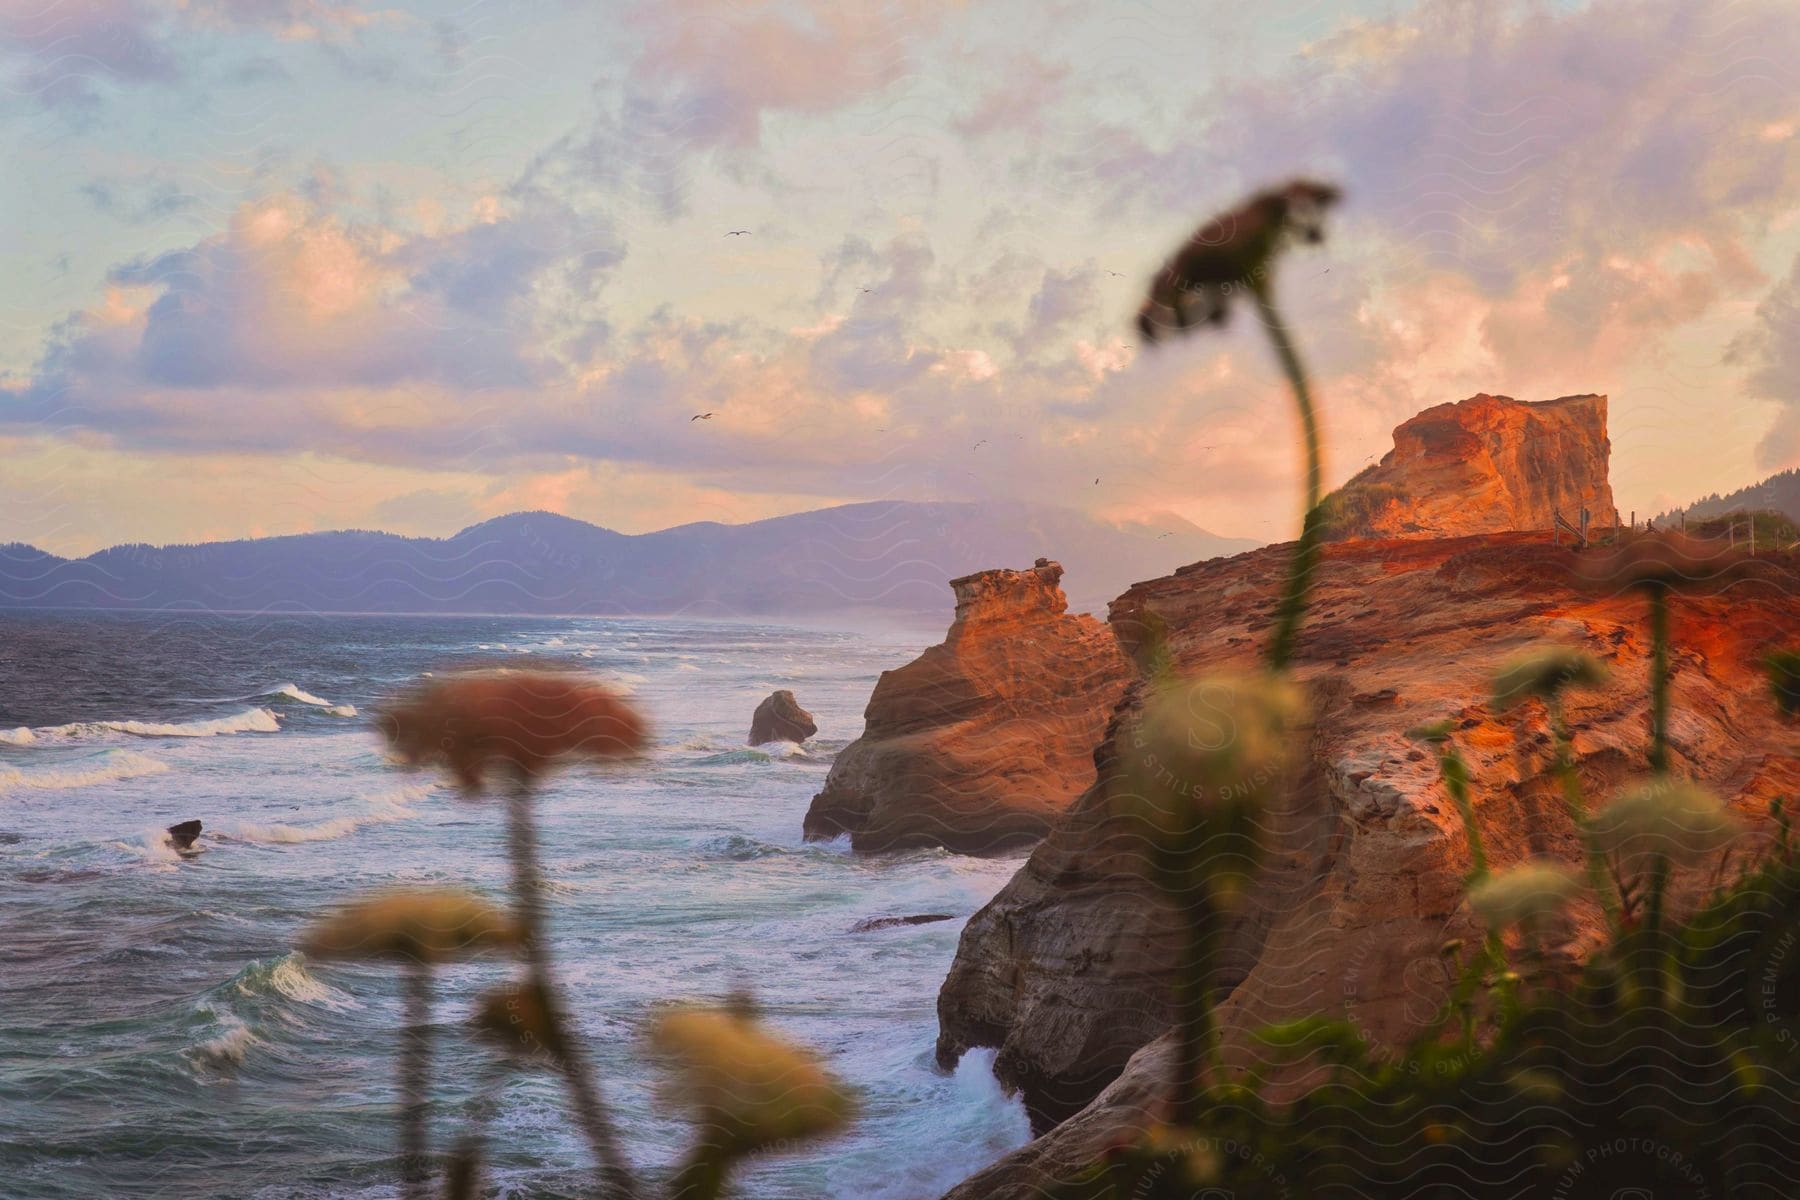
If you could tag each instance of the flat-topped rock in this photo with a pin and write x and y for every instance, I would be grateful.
(1489, 464)
(983, 740)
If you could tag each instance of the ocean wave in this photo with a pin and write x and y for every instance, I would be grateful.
(392, 806)
(154, 847)
(233, 1010)
(228, 1048)
(106, 767)
(295, 692)
(249, 720)
(782, 749)
(17, 737)
(287, 978)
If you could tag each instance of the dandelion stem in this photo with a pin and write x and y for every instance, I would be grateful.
(1455, 774)
(1577, 809)
(702, 1175)
(1193, 1007)
(1659, 679)
(1306, 552)
(615, 1176)
(415, 1076)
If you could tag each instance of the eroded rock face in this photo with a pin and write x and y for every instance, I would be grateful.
(779, 718)
(979, 743)
(1489, 464)
(1068, 969)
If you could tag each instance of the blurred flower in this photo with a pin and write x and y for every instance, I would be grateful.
(1544, 674)
(1211, 743)
(1664, 561)
(1523, 893)
(1198, 1161)
(427, 925)
(1784, 679)
(1233, 251)
(521, 721)
(512, 1018)
(1665, 818)
(746, 1088)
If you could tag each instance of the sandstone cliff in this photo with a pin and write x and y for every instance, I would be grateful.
(980, 742)
(1068, 969)
(1487, 465)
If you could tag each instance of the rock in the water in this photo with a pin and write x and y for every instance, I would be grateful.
(781, 719)
(182, 835)
(1490, 464)
(890, 922)
(1068, 970)
(981, 742)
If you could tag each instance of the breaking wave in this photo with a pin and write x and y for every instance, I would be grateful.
(106, 767)
(250, 720)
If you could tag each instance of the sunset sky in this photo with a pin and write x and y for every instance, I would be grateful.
(283, 265)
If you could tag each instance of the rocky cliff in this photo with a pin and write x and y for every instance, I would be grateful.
(1486, 465)
(1068, 969)
(980, 742)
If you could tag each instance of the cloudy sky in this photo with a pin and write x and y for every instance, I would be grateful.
(281, 265)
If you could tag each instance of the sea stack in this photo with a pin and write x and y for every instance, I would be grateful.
(981, 742)
(183, 833)
(780, 718)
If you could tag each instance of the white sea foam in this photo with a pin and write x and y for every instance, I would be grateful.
(249, 720)
(154, 847)
(782, 749)
(295, 692)
(82, 772)
(394, 805)
(228, 1049)
(17, 737)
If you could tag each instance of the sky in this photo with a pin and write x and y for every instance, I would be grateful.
(284, 265)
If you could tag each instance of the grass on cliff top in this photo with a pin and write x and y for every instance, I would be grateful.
(1669, 1066)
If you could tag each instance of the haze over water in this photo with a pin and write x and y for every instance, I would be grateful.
(163, 1039)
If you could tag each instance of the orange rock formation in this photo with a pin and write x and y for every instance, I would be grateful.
(1487, 465)
(982, 741)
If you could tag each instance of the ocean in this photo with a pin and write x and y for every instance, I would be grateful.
(159, 1035)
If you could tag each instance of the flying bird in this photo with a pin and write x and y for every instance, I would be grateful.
(700, 417)
(1096, 481)
(736, 232)
(1116, 274)
(979, 445)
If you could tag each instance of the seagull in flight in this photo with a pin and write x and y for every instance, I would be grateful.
(736, 232)
(1161, 536)
(979, 445)
(700, 417)
(1116, 274)
(1096, 481)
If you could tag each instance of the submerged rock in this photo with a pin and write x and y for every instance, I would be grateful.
(182, 834)
(981, 742)
(779, 718)
(865, 926)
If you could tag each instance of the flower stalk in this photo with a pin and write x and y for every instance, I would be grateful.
(564, 1049)
(1292, 606)
(415, 1080)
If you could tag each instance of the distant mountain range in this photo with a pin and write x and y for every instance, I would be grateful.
(895, 556)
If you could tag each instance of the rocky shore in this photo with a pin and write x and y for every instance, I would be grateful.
(1067, 972)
